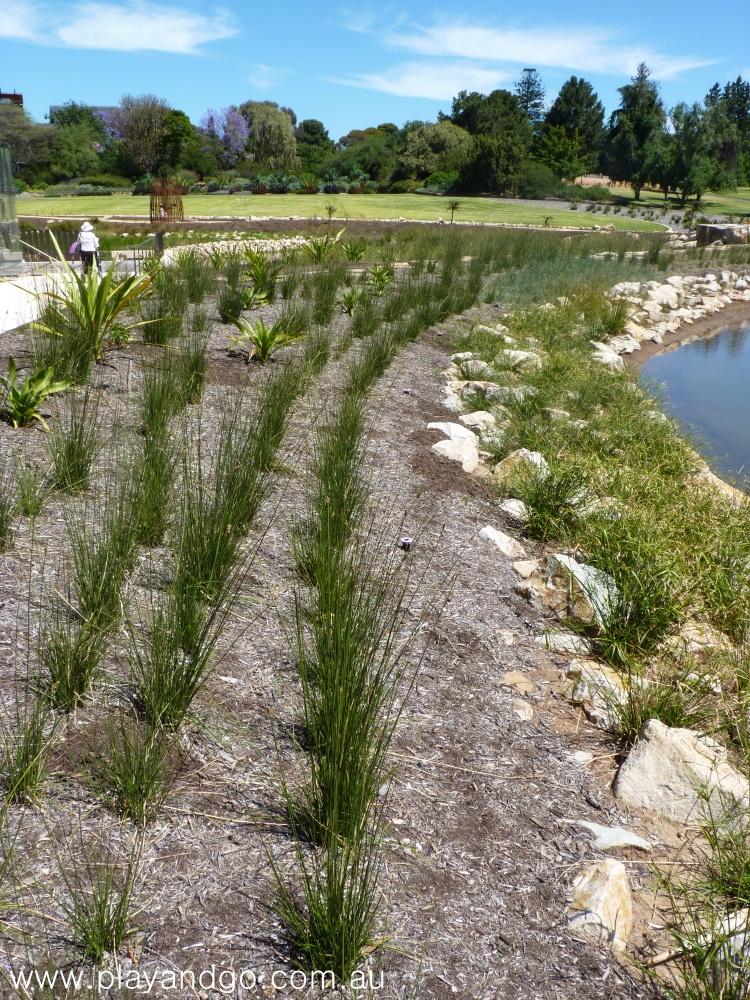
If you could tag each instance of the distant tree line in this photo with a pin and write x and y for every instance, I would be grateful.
(499, 143)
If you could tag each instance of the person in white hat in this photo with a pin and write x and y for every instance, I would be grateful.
(88, 244)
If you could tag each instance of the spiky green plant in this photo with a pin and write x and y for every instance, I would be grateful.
(87, 305)
(22, 400)
(263, 342)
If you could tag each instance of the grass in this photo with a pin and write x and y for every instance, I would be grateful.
(99, 904)
(103, 546)
(31, 489)
(25, 744)
(617, 483)
(350, 206)
(72, 450)
(135, 770)
(70, 656)
(171, 662)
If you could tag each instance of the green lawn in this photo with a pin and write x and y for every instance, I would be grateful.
(735, 203)
(348, 206)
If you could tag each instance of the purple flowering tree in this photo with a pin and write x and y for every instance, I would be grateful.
(226, 132)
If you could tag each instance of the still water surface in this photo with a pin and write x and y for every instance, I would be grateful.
(706, 385)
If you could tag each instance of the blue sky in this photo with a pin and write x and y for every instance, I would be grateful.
(353, 66)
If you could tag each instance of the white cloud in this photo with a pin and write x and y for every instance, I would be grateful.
(435, 80)
(589, 49)
(264, 77)
(20, 21)
(141, 25)
(358, 20)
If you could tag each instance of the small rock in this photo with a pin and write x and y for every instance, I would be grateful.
(522, 710)
(506, 637)
(515, 510)
(668, 769)
(464, 452)
(522, 457)
(474, 368)
(525, 567)
(581, 757)
(456, 432)
(553, 414)
(592, 593)
(518, 681)
(462, 356)
(602, 908)
(518, 359)
(490, 390)
(608, 838)
(508, 545)
(479, 418)
(564, 642)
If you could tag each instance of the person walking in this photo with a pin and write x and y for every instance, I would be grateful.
(88, 245)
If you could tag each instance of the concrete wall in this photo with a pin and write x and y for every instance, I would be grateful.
(18, 300)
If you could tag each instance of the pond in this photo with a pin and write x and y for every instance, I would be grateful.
(706, 386)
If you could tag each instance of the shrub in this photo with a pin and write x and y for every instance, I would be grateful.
(404, 187)
(598, 193)
(19, 186)
(108, 181)
(443, 180)
(536, 180)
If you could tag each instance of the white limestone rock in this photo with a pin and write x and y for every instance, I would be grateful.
(668, 769)
(602, 908)
(480, 419)
(464, 452)
(456, 432)
(516, 511)
(610, 838)
(508, 545)
(593, 594)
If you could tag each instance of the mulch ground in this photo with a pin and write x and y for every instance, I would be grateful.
(480, 843)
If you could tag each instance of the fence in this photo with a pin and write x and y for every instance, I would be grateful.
(39, 248)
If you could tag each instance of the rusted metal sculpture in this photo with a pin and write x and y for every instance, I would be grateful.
(166, 201)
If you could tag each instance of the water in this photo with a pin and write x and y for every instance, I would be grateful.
(706, 385)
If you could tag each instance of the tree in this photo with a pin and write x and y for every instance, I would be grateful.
(270, 136)
(74, 152)
(634, 130)
(177, 131)
(30, 144)
(690, 160)
(560, 153)
(138, 123)
(530, 92)
(578, 110)
(442, 146)
(79, 114)
(492, 165)
(226, 134)
(314, 145)
(727, 117)
(496, 113)
(370, 151)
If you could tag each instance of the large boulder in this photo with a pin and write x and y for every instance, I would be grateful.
(602, 907)
(680, 775)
